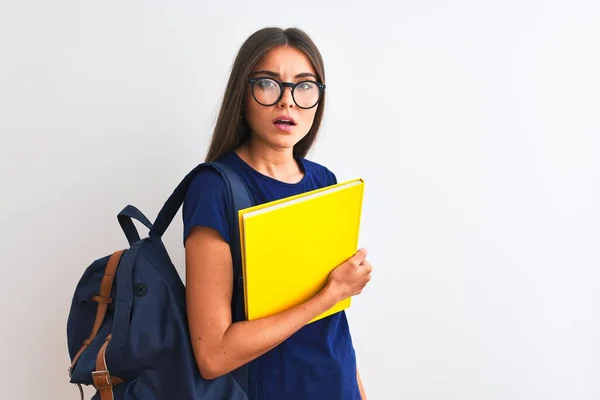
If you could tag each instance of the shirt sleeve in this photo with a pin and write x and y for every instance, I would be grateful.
(332, 177)
(205, 204)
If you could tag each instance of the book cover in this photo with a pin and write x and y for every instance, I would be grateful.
(290, 246)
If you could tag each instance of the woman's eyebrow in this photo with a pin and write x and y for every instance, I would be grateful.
(277, 75)
(305, 75)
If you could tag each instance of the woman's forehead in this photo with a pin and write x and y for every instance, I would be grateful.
(286, 61)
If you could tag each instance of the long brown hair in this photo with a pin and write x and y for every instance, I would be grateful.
(231, 129)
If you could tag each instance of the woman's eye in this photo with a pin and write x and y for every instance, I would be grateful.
(306, 86)
(266, 84)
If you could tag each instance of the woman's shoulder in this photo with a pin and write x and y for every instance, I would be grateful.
(209, 179)
(320, 171)
(206, 183)
(205, 203)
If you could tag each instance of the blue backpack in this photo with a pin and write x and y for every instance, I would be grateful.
(127, 328)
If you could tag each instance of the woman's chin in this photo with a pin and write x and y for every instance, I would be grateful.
(284, 139)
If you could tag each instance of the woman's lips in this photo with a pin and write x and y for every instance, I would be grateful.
(284, 127)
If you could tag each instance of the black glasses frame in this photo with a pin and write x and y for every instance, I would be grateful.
(282, 86)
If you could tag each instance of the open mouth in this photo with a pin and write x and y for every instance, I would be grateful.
(284, 121)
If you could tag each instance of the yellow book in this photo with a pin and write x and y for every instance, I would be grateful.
(290, 246)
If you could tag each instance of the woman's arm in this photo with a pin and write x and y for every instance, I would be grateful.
(220, 346)
(363, 395)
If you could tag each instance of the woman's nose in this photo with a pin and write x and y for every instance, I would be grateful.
(287, 100)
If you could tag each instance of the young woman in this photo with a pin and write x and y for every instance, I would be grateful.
(270, 116)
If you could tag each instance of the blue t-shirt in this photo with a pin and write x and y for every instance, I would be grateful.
(318, 361)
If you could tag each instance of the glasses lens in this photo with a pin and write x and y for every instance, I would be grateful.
(266, 91)
(306, 94)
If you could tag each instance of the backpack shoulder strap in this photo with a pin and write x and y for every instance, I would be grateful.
(238, 198)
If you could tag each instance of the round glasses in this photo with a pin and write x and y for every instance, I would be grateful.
(268, 92)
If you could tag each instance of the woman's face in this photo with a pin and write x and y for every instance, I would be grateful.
(284, 123)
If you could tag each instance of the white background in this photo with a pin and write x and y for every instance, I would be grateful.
(475, 125)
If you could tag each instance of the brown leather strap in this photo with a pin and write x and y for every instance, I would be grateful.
(103, 381)
(103, 299)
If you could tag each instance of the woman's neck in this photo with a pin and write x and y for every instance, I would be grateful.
(276, 163)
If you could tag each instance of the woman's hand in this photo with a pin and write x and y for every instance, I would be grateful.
(350, 278)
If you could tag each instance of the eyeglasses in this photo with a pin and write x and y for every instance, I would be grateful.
(267, 92)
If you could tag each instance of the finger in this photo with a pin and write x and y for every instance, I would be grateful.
(365, 265)
(360, 255)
